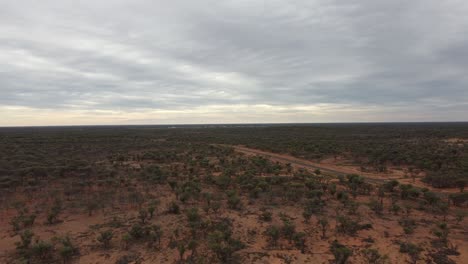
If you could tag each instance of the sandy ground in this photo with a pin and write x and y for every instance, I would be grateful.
(385, 231)
(247, 226)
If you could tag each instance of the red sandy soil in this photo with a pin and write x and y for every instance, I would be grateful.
(80, 227)
(83, 229)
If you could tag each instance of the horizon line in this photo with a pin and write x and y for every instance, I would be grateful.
(239, 124)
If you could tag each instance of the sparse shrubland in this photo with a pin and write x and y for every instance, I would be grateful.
(186, 195)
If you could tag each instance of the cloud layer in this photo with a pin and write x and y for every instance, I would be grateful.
(134, 62)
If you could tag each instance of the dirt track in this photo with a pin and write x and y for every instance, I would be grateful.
(337, 170)
(297, 162)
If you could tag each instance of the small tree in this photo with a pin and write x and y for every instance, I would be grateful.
(408, 225)
(15, 222)
(395, 208)
(431, 198)
(375, 206)
(312, 206)
(26, 238)
(155, 235)
(28, 220)
(381, 194)
(288, 229)
(42, 251)
(374, 257)
(349, 226)
(125, 242)
(265, 216)
(105, 237)
(390, 185)
(460, 215)
(54, 212)
(233, 201)
(307, 214)
(67, 250)
(152, 208)
(412, 250)
(192, 246)
(341, 252)
(299, 241)
(273, 233)
(442, 232)
(181, 248)
(223, 245)
(137, 232)
(458, 199)
(215, 206)
(355, 182)
(442, 208)
(323, 222)
(143, 214)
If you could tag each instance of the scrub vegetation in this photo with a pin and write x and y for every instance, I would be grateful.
(335, 193)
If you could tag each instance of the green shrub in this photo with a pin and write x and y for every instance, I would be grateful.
(273, 233)
(154, 235)
(154, 174)
(288, 229)
(348, 226)
(313, 206)
(192, 215)
(412, 250)
(137, 232)
(299, 241)
(223, 181)
(15, 222)
(28, 220)
(105, 237)
(460, 215)
(153, 206)
(459, 199)
(431, 197)
(408, 225)
(142, 215)
(323, 222)
(221, 242)
(233, 200)
(390, 185)
(340, 252)
(376, 206)
(52, 216)
(266, 216)
(442, 232)
(374, 257)
(223, 245)
(42, 251)
(67, 250)
(26, 239)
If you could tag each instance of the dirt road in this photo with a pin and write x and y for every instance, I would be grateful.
(334, 169)
(302, 163)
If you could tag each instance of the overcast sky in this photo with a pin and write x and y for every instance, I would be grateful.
(70, 62)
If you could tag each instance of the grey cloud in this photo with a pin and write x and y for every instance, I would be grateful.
(133, 55)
